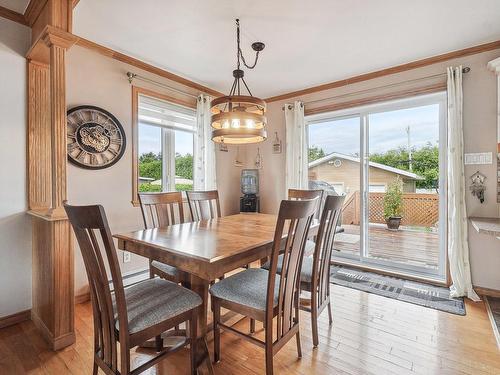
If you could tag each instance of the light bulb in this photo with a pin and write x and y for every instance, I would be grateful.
(225, 124)
(235, 123)
(250, 124)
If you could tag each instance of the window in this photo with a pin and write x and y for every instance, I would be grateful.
(165, 145)
(390, 158)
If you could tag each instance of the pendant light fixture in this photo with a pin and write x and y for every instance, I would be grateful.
(238, 118)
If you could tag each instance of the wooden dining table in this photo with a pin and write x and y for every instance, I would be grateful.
(205, 250)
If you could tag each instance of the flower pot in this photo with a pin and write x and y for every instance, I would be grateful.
(393, 222)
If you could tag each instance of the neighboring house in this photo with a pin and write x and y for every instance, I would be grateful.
(342, 172)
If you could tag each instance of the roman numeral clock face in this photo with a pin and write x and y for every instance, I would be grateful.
(95, 138)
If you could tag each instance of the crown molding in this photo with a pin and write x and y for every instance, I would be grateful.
(82, 42)
(388, 71)
(13, 16)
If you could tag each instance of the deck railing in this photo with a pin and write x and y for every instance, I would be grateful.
(418, 209)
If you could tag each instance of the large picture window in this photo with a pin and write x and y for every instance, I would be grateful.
(165, 145)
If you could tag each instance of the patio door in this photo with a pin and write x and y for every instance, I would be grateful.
(388, 161)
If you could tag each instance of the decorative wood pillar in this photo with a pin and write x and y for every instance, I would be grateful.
(53, 263)
(494, 65)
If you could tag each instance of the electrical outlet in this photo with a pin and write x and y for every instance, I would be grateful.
(126, 256)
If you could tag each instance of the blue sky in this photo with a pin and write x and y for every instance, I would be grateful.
(387, 131)
(150, 140)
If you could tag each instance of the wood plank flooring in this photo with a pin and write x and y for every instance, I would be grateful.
(370, 335)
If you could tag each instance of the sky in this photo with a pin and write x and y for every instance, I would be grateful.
(387, 130)
(150, 140)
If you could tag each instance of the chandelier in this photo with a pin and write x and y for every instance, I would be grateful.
(238, 118)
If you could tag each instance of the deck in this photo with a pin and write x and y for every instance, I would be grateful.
(411, 247)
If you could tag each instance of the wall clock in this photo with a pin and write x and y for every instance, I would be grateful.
(95, 139)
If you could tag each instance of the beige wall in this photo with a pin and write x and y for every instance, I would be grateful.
(480, 135)
(97, 80)
(15, 225)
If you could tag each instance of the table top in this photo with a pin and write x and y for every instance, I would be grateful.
(207, 247)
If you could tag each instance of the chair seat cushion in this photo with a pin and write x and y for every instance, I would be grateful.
(305, 273)
(170, 271)
(247, 288)
(155, 300)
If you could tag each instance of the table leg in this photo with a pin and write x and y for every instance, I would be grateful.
(200, 286)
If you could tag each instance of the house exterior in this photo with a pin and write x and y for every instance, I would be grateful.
(342, 172)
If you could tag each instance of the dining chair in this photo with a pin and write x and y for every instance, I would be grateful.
(126, 317)
(204, 205)
(159, 210)
(315, 273)
(264, 295)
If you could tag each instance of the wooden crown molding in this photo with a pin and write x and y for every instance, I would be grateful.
(82, 42)
(54, 36)
(13, 16)
(388, 71)
(33, 10)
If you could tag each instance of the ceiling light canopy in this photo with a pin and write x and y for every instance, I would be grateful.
(237, 118)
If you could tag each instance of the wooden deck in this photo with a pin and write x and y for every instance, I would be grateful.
(411, 247)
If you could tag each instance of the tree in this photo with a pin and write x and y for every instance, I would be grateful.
(315, 153)
(425, 163)
(184, 166)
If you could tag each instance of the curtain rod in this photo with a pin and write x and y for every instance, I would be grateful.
(131, 76)
(464, 70)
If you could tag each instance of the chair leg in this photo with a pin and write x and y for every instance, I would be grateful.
(193, 329)
(330, 318)
(269, 358)
(299, 347)
(216, 309)
(252, 325)
(314, 325)
(159, 343)
(95, 370)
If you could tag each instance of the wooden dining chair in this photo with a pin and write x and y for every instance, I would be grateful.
(159, 210)
(264, 295)
(204, 205)
(127, 317)
(315, 275)
(297, 194)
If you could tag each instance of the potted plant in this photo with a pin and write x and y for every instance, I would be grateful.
(393, 204)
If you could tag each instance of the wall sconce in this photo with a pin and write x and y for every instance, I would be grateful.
(277, 144)
(258, 160)
(477, 186)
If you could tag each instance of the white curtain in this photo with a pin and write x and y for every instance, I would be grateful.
(458, 246)
(204, 149)
(296, 147)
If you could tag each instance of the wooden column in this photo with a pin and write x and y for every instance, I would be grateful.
(53, 263)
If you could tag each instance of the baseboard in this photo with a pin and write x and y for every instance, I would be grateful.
(55, 343)
(16, 318)
(487, 291)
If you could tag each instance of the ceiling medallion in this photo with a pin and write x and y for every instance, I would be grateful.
(237, 118)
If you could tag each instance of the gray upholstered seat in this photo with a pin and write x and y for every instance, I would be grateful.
(305, 273)
(247, 288)
(155, 300)
(169, 270)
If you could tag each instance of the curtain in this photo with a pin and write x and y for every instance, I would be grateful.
(296, 147)
(204, 149)
(458, 245)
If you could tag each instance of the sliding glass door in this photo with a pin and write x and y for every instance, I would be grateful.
(387, 160)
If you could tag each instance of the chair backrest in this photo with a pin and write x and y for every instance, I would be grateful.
(292, 228)
(160, 210)
(91, 228)
(324, 246)
(204, 205)
(297, 194)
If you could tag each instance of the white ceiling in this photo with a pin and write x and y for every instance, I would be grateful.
(307, 42)
(18, 6)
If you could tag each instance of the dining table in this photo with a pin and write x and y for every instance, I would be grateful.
(205, 250)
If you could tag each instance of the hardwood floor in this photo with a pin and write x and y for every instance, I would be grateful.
(370, 335)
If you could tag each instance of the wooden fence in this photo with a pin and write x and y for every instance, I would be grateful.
(418, 209)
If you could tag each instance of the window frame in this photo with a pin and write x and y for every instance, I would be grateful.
(136, 92)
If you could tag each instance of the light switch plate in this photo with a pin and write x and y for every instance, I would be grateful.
(126, 257)
(479, 158)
